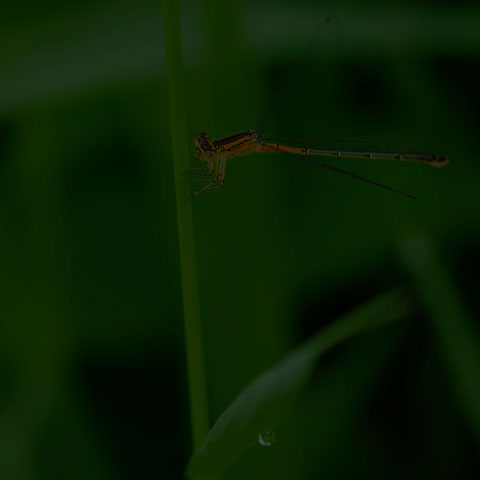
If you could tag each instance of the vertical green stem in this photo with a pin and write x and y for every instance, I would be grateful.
(191, 310)
(456, 331)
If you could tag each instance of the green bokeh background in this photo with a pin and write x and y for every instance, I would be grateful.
(93, 381)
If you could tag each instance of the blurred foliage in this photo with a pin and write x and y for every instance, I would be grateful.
(91, 348)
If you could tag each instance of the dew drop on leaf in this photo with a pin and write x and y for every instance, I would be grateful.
(267, 439)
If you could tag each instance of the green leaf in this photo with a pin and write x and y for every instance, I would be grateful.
(263, 404)
(186, 236)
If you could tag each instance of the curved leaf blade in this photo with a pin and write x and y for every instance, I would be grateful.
(263, 404)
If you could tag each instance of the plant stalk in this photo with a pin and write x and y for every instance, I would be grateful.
(191, 308)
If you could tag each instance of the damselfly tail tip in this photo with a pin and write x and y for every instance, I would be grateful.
(440, 161)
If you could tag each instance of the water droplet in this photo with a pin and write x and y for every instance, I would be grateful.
(267, 439)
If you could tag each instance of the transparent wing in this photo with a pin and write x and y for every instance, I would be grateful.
(350, 174)
(318, 49)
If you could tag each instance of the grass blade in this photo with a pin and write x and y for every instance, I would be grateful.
(452, 324)
(191, 309)
(263, 404)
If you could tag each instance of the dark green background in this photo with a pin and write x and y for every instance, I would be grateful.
(93, 382)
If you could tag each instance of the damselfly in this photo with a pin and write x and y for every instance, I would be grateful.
(320, 47)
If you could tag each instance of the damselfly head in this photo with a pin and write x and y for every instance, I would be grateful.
(202, 141)
(203, 146)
